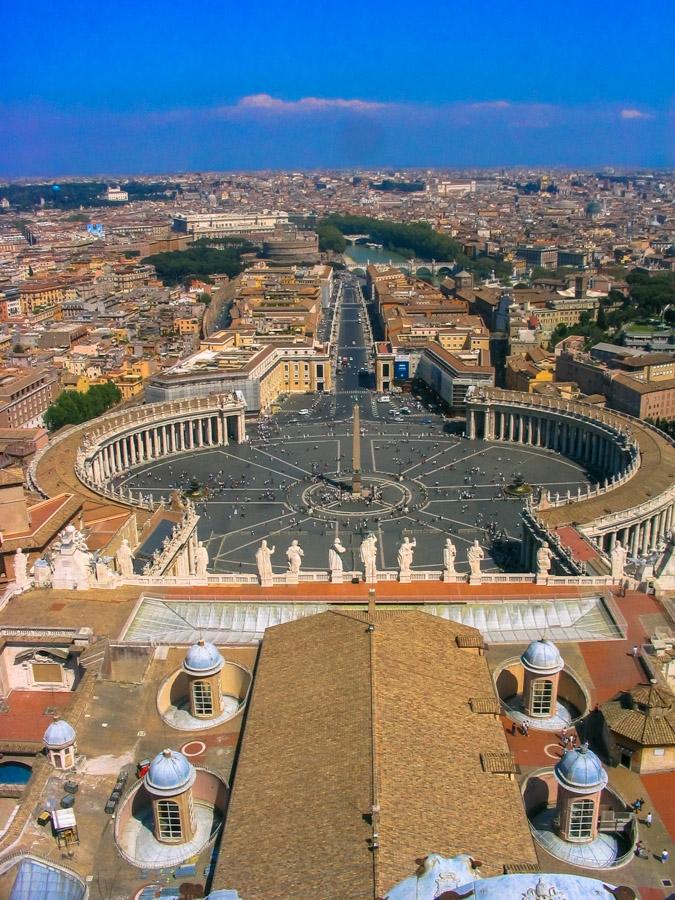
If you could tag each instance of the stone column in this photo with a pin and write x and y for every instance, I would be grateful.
(489, 425)
(646, 535)
(521, 428)
(512, 426)
(148, 447)
(209, 431)
(123, 450)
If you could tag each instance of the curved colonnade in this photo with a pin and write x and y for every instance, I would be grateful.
(633, 499)
(124, 440)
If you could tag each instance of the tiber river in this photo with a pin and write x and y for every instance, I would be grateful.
(360, 255)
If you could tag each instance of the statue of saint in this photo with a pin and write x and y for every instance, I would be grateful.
(405, 555)
(201, 560)
(125, 559)
(335, 556)
(294, 555)
(368, 554)
(475, 556)
(544, 558)
(449, 554)
(20, 567)
(263, 559)
(619, 556)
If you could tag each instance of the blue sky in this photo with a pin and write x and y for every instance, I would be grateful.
(213, 84)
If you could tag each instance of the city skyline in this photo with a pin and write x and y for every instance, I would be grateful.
(274, 88)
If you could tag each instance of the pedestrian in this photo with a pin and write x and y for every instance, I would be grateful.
(648, 820)
(526, 728)
(634, 651)
(664, 856)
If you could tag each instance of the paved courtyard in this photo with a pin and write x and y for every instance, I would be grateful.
(431, 484)
(290, 480)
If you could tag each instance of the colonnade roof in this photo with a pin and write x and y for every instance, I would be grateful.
(655, 475)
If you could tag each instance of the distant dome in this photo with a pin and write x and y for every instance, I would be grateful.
(203, 658)
(169, 773)
(59, 735)
(580, 771)
(543, 658)
(593, 208)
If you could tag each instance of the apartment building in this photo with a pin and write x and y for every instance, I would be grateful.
(222, 224)
(25, 395)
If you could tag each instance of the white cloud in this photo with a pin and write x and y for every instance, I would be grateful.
(631, 113)
(308, 104)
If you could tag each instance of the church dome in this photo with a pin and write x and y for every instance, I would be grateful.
(169, 773)
(580, 771)
(203, 658)
(59, 735)
(543, 658)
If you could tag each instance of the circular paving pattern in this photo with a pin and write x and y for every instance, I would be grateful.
(421, 478)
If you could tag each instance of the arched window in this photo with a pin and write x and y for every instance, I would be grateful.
(202, 698)
(169, 827)
(542, 697)
(582, 813)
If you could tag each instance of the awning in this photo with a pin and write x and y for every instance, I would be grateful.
(63, 819)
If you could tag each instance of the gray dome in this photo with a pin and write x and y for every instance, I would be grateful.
(203, 658)
(169, 773)
(580, 771)
(59, 735)
(542, 657)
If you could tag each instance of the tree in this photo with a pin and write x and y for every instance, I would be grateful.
(200, 260)
(75, 407)
(330, 238)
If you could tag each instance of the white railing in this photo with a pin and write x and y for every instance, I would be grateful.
(383, 576)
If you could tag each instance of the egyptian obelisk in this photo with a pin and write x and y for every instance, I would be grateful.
(356, 452)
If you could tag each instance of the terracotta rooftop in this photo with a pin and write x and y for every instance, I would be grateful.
(645, 715)
(345, 721)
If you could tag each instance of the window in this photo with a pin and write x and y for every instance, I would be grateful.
(168, 820)
(582, 813)
(202, 698)
(542, 698)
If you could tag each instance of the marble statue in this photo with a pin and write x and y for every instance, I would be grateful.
(263, 560)
(475, 556)
(405, 555)
(294, 555)
(619, 556)
(201, 560)
(72, 561)
(449, 554)
(335, 556)
(20, 568)
(368, 554)
(125, 559)
(544, 558)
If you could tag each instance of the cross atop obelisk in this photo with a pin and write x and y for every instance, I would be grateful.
(356, 452)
